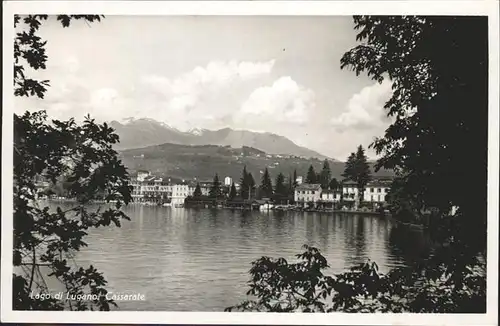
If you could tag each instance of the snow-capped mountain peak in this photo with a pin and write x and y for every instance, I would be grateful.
(196, 131)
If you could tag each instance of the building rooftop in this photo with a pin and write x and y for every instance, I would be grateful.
(308, 186)
(379, 183)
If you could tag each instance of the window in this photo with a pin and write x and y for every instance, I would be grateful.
(378, 190)
(372, 190)
(312, 192)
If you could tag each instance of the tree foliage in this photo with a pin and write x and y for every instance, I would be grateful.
(439, 74)
(251, 185)
(197, 191)
(290, 187)
(232, 192)
(266, 186)
(358, 170)
(243, 182)
(280, 189)
(247, 184)
(216, 190)
(349, 167)
(277, 285)
(438, 67)
(295, 184)
(325, 175)
(29, 50)
(334, 184)
(46, 238)
(402, 205)
(311, 175)
(361, 171)
(79, 156)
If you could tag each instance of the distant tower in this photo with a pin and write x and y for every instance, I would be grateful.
(228, 181)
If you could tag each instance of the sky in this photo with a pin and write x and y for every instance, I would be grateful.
(259, 73)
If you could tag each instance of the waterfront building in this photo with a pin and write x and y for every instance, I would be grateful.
(205, 188)
(149, 188)
(307, 193)
(349, 191)
(376, 191)
(328, 199)
(330, 196)
(136, 190)
(179, 194)
(191, 189)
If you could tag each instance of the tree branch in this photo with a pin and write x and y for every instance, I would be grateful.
(32, 269)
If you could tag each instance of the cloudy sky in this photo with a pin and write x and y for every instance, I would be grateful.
(274, 74)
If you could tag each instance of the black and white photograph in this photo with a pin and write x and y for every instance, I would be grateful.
(234, 163)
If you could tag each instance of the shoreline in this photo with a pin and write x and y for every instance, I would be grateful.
(290, 208)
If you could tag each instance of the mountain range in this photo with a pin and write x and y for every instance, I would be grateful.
(138, 133)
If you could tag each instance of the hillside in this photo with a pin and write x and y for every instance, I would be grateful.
(138, 133)
(203, 161)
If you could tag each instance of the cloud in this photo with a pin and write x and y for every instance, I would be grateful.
(365, 109)
(284, 101)
(182, 101)
(189, 87)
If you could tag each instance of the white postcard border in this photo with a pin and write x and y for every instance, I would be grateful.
(313, 8)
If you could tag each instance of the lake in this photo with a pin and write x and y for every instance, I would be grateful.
(198, 260)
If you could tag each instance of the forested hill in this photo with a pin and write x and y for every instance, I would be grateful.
(203, 161)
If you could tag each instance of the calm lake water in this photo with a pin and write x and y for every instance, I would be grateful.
(187, 259)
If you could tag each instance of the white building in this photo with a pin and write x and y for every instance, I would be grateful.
(330, 196)
(350, 191)
(306, 193)
(146, 187)
(179, 194)
(376, 191)
(228, 181)
(191, 189)
(299, 180)
(205, 188)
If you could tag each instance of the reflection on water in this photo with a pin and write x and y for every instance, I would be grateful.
(198, 259)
